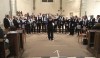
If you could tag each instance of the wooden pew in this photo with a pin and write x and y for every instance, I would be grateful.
(94, 42)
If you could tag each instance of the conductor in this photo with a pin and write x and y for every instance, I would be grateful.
(50, 29)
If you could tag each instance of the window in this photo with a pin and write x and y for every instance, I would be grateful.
(50, 0)
(47, 0)
(44, 0)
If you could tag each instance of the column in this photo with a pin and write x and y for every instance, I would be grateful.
(60, 7)
(83, 7)
(13, 7)
(34, 6)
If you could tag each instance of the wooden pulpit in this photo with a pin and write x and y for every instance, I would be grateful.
(21, 38)
(14, 43)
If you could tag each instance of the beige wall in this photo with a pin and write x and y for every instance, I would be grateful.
(93, 7)
(44, 7)
(53, 7)
(83, 7)
(71, 6)
(22, 5)
(4, 9)
(25, 5)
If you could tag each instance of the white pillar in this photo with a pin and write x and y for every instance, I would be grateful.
(34, 6)
(60, 8)
(83, 7)
(13, 8)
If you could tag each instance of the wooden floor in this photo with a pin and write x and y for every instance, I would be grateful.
(38, 45)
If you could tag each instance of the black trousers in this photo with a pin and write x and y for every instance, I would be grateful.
(43, 27)
(78, 31)
(55, 28)
(66, 29)
(71, 31)
(38, 27)
(62, 28)
(33, 29)
(59, 27)
(28, 29)
(50, 35)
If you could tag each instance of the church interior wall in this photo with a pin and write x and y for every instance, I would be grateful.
(4, 9)
(71, 6)
(26, 6)
(92, 7)
(47, 7)
(53, 7)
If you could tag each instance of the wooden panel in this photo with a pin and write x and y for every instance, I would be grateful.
(2, 49)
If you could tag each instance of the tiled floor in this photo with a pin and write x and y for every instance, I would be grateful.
(38, 45)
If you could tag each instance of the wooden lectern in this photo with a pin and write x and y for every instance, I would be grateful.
(21, 37)
(13, 37)
(16, 42)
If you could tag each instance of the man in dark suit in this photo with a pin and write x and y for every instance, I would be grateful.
(55, 25)
(39, 22)
(44, 23)
(91, 22)
(6, 22)
(28, 26)
(62, 24)
(99, 20)
(66, 25)
(59, 23)
(15, 22)
(1, 33)
(72, 26)
(50, 29)
(85, 22)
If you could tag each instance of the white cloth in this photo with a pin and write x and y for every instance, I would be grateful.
(85, 21)
(78, 26)
(53, 24)
(23, 25)
(11, 22)
(18, 21)
(6, 40)
(96, 20)
(57, 17)
(84, 28)
(30, 21)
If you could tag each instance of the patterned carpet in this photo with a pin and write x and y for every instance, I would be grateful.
(38, 45)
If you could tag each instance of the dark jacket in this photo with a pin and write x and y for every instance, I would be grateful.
(6, 23)
(1, 33)
(15, 23)
(50, 26)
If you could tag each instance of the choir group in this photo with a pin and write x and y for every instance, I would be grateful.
(61, 24)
